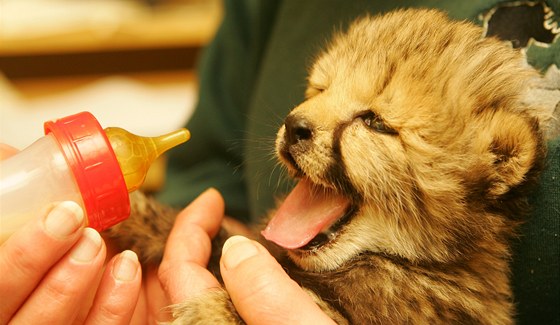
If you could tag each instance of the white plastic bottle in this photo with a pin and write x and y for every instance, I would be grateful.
(78, 161)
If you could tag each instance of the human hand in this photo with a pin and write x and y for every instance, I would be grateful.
(258, 286)
(52, 272)
(7, 151)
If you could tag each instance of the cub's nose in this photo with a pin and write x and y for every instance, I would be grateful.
(298, 129)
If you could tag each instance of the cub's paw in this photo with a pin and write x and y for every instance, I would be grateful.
(214, 307)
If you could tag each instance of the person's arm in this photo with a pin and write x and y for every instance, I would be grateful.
(227, 73)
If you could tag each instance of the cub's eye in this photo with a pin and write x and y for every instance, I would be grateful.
(313, 90)
(374, 122)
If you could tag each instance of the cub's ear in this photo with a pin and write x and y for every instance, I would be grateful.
(509, 144)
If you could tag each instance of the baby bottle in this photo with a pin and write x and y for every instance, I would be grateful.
(77, 160)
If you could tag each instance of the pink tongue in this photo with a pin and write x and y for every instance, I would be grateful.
(306, 211)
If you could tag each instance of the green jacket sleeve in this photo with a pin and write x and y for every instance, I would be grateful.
(227, 71)
(536, 261)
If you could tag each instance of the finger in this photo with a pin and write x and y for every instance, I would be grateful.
(157, 302)
(64, 290)
(206, 212)
(260, 289)
(118, 292)
(183, 272)
(31, 251)
(7, 151)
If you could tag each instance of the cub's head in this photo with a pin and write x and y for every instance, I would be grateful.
(412, 142)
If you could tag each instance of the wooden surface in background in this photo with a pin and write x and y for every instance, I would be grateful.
(166, 38)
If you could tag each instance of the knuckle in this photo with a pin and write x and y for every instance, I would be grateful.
(110, 313)
(59, 290)
(20, 259)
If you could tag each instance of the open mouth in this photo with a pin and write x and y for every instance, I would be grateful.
(329, 234)
(309, 217)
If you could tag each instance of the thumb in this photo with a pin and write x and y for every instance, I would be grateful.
(260, 289)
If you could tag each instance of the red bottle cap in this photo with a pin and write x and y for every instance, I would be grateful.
(95, 167)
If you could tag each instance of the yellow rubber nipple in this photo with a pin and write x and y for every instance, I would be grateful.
(135, 154)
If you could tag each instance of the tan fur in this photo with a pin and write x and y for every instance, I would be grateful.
(438, 196)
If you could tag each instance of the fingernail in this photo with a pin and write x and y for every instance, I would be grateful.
(64, 219)
(126, 266)
(87, 248)
(236, 250)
